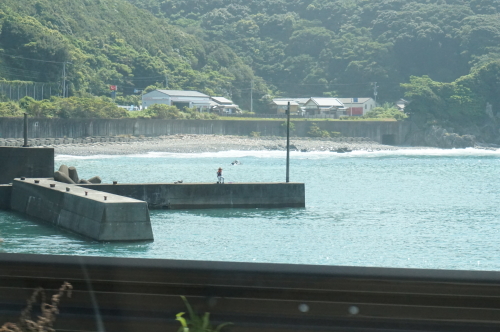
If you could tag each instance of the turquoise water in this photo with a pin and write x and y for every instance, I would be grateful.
(407, 208)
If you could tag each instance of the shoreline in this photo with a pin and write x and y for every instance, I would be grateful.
(215, 143)
(192, 143)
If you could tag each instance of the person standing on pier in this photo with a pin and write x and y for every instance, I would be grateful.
(220, 179)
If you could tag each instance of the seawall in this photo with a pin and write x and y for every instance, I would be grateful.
(208, 195)
(93, 214)
(391, 132)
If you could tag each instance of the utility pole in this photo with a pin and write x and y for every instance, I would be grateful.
(375, 92)
(251, 96)
(288, 143)
(166, 82)
(64, 80)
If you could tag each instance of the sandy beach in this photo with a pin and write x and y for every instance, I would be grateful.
(215, 143)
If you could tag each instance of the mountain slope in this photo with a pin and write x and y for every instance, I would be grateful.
(339, 47)
(110, 42)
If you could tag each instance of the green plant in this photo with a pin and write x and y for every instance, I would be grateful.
(255, 134)
(315, 131)
(335, 134)
(196, 323)
(283, 127)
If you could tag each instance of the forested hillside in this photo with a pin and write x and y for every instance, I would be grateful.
(338, 47)
(437, 53)
(110, 42)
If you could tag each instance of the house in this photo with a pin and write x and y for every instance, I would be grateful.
(300, 101)
(280, 106)
(222, 105)
(358, 106)
(401, 104)
(324, 107)
(178, 98)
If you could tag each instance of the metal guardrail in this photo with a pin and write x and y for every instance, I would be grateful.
(125, 294)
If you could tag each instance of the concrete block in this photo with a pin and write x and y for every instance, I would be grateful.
(98, 215)
(73, 174)
(64, 169)
(95, 180)
(27, 162)
(62, 177)
(5, 194)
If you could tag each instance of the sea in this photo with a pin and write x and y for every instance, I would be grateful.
(407, 208)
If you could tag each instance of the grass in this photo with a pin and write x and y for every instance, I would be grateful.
(45, 321)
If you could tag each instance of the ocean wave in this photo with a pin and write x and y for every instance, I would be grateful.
(236, 154)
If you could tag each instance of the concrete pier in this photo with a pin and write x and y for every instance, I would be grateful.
(210, 195)
(98, 215)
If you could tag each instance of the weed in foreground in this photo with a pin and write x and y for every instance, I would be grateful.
(46, 320)
(196, 323)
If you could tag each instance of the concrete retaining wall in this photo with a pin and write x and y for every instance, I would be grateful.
(5, 194)
(73, 128)
(208, 195)
(115, 219)
(28, 162)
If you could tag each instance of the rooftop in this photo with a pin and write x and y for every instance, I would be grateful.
(221, 100)
(322, 101)
(351, 100)
(285, 102)
(181, 93)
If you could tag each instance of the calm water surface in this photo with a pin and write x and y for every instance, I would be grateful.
(407, 208)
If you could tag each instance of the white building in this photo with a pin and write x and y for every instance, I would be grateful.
(322, 107)
(178, 98)
(223, 105)
(358, 106)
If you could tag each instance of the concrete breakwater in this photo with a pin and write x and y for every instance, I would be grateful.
(210, 195)
(94, 214)
(388, 132)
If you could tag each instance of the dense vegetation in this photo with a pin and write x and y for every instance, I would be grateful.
(93, 107)
(339, 47)
(444, 51)
(110, 42)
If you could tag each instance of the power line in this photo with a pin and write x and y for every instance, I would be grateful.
(20, 57)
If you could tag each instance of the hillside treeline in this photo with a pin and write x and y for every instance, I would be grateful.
(111, 42)
(296, 48)
(339, 47)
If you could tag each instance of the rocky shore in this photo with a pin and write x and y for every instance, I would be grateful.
(197, 144)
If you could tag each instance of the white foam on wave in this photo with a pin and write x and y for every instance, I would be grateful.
(238, 154)
(71, 157)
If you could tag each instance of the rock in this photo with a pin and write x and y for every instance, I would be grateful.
(83, 181)
(73, 174)
(95, 180)
(61, 177)
(64, 169)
